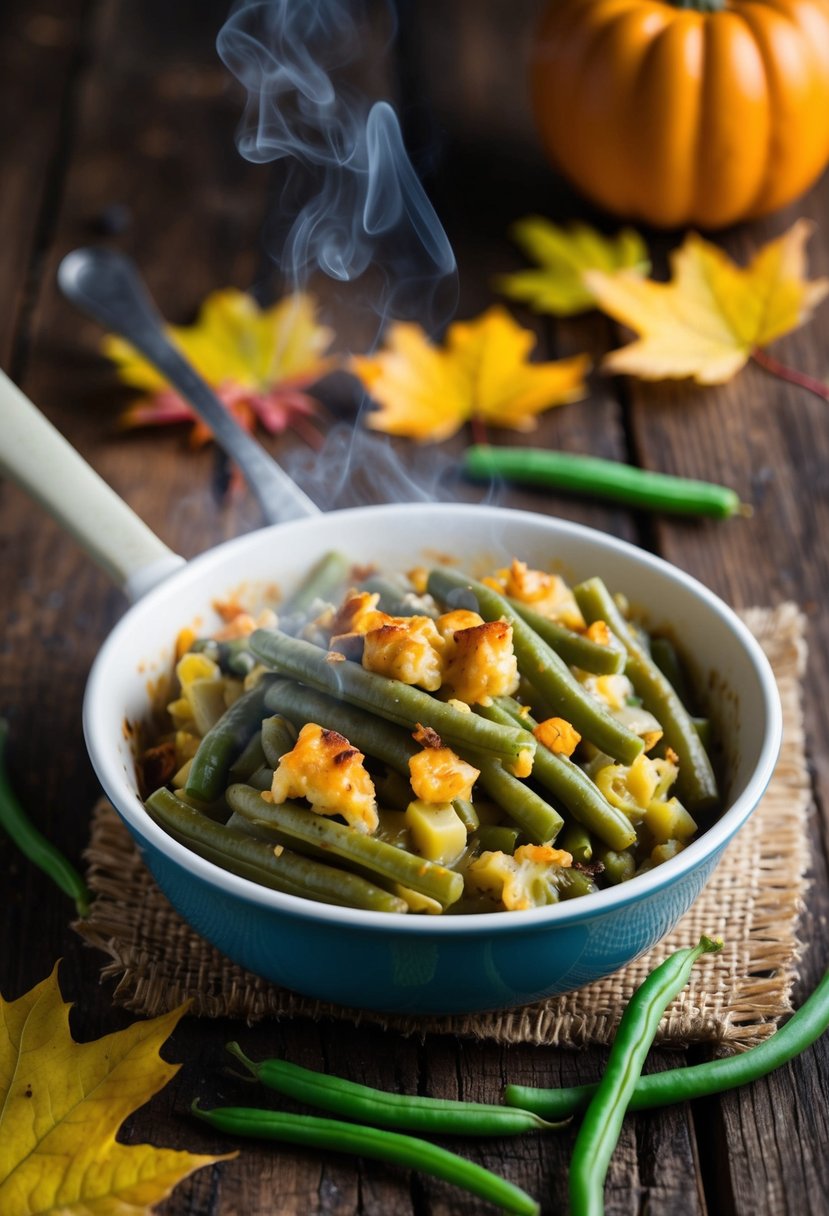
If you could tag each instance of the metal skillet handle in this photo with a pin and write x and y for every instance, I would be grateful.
(107, 286)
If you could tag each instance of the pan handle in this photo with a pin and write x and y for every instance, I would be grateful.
(39, 459)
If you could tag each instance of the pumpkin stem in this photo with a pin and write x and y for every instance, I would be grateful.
(790, 374)
(701, 6)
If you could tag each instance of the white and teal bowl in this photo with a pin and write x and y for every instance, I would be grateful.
(425, 964)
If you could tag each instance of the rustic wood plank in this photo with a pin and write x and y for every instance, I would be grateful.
(39, 60)
(768, 440)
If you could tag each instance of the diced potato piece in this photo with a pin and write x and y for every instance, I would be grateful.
(207, 702)
(526, 880)
(196, 667)
(634, 788)
(357, 614)
(180, 778)
(664, 852)
(448, 623)
(437, 831)
(547, 594)
(439, 775)
(324, 768)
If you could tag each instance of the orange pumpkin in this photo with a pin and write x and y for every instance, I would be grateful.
(680, 116)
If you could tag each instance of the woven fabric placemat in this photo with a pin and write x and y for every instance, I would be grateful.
(753, 901)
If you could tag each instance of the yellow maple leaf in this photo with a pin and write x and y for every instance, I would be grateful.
(706, 322)
(482, 371)
(564, 254)
(259, 361)
(61, 1104)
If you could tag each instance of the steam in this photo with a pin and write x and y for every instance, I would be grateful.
(350, 198)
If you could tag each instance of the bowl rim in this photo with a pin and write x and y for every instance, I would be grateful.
(124, 798)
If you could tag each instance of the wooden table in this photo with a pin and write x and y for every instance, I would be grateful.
(120, 115)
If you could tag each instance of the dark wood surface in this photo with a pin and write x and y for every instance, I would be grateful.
(105, 102)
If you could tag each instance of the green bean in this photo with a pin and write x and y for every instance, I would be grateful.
(391, 699)
(224, 742)
(250, 858)
(372, 735)
(663, 652)
(392, 789)
(698, 1080)
(411, 1112)
(233, 657)
(696, 784)
(536, 818)
(278, 735)
(367, 852)
(251, 758)
(32, 843)
(619, 865)
(396, 600)
(574, 648)
(336, 1136)
(467, 814)
(602, 1123)
(262, 779)
(326, 577)
(574, 789)
(574, 883)
(575, 840)
(604, 479)
(495, 838)
(543, 668)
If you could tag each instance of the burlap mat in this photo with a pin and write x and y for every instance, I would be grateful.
(753, 901)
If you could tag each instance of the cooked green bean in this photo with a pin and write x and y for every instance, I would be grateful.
(602, 1123)
(603, 479)
(411, 1112)
(224, 742)
(251, 758)
(581, 796)
(322, 581)
(367, 852)
(575, 840)
(391, 699)
(574, 648)
(395, 599)
(543, 668)
(278, 735)
(697, 1080)
(32, 843)
(664, 654)
(619, 865)
(467, 814)
(233, 657)
(536, 818)
(372, 735)
(251, 858)
(574, 883)
(495, 838)
(262, 779)
(696, 784)
(336, 1136)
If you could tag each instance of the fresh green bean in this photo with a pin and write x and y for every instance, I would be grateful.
(334, 1135)
(32, 843)
(543, 668)
(603, 479)
(372, 735)
(322, 581)
(248, 857)
(696, 784)
(574, 648)
(367, 852)
(698, 1080)
(411, 1112)
(574, 789)
(602, 1123)
(535, 816)
(278, 735)
(224, 742)
(391, 699)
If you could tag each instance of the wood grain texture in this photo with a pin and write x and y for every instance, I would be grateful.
(128, 105)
